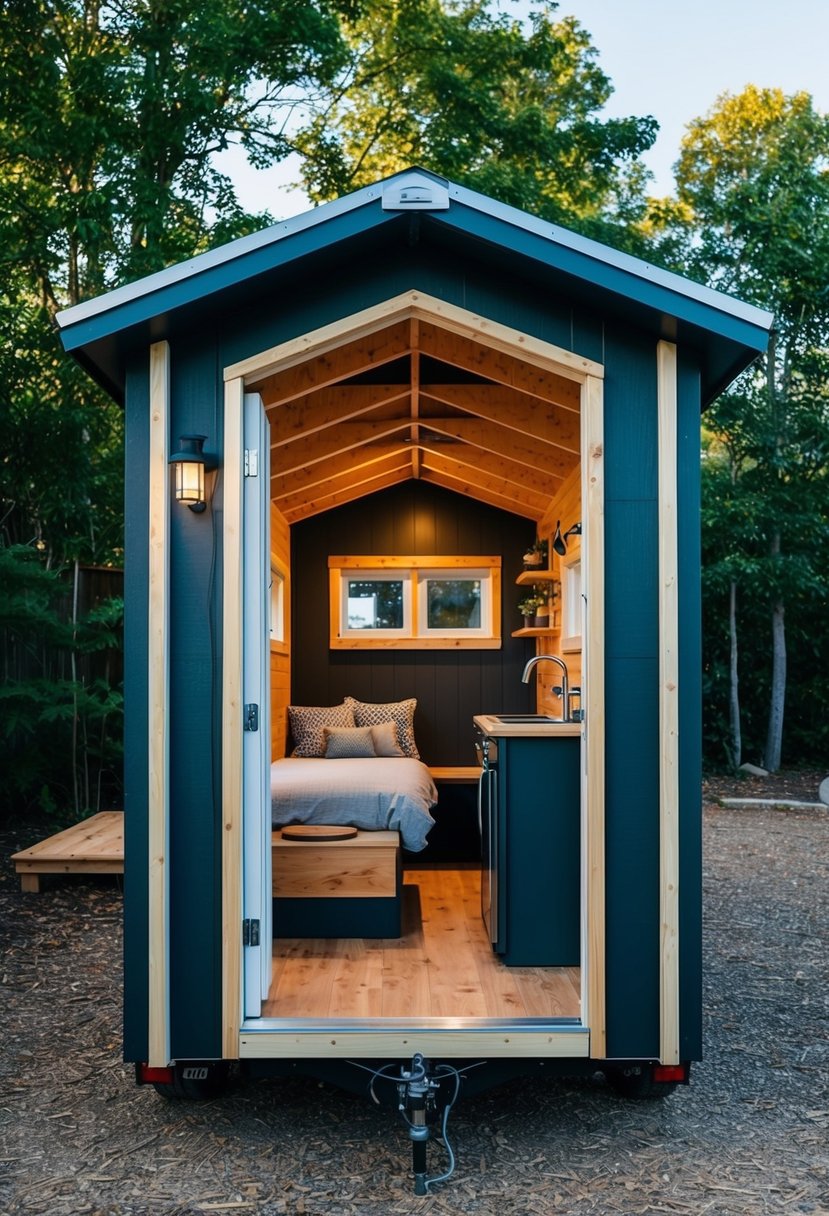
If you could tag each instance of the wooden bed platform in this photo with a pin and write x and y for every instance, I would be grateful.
(442, 966)
(93, 846)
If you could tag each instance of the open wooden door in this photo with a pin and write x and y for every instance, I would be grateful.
(256, 748)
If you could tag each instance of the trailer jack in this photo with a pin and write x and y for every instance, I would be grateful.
(422, 1106)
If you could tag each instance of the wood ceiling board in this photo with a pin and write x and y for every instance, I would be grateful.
(314, 506)
(326, 444)
(414, 405)
(337, 403)
(487, 483)
(520, 475)
(349, 463)
(504, 442)
(292, 499)
(516, 410)
(511, 370)
(469, 491)
(348, 359)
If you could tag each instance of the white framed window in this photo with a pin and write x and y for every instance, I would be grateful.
(375, 604)
(415, 602)
(277, 604)
(571, 605)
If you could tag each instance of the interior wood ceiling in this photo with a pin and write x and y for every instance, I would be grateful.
(416, 400)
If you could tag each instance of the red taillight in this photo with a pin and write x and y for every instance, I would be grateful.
(670, 1072)
(145, 1075)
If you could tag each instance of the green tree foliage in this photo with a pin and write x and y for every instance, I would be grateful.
(507, 109)
(110, 115)
(753, 180)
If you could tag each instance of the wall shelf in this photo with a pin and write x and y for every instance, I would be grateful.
(528, 577)
(536, 633)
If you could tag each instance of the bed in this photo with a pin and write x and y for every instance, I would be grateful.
(374, 794)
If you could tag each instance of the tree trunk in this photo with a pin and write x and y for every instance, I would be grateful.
(736, 740)
(774, 737)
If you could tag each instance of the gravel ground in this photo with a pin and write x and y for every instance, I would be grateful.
(748, 1136)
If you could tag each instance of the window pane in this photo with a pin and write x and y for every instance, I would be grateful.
(453, 603)
(375, 604)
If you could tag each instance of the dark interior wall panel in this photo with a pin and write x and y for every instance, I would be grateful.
(450, 686)
(690, 713)
(136, 793)
(195, 683)
(632, 701)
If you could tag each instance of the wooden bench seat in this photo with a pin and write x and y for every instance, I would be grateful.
(342, 888)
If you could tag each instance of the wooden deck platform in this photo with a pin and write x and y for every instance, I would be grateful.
(93, 846)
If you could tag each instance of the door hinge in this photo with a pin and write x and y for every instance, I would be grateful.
(251, 717)
(250, 932)
(251, 462)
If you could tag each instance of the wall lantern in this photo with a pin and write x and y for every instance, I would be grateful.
(190, 463)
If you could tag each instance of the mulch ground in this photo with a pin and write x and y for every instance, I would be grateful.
(749, 1135)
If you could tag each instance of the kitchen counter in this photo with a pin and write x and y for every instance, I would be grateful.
(488, 724)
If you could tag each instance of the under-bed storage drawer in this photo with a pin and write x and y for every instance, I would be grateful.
(343, 888)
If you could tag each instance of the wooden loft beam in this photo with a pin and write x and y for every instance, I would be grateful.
(327, 501)
(306, 481)
(297, 500)
(469, 490)
(541, 419)
(337, 403)
(490, 487)
(538, 480)
(325, 369)
(329, 443)
(503, 442)
(414, 333)
(496, 365)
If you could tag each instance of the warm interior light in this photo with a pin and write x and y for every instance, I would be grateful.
(189, 481)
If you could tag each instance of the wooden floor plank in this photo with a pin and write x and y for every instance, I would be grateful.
(442, 965)
(405, 964)
(453, 977)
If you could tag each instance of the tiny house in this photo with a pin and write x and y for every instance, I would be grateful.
(405, 414)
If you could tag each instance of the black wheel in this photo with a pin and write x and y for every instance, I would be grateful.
(195, 1082)
(636, 1081)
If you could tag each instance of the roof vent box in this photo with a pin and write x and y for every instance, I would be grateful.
(415, 192)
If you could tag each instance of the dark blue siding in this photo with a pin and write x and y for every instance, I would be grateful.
(690, 713)
(195, 741)
(136, 559)
(632, 695)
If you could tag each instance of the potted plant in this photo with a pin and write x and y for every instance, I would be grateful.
(527, 608)
(542, 611)
(535, 558)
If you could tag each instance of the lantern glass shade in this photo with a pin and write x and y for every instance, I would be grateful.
(189, 481)
(190, 462)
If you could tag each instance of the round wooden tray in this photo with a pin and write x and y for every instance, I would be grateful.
(318, 832)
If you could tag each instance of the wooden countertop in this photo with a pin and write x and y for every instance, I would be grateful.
(490, 725)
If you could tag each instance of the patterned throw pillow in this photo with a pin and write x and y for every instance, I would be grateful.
(308, 721)
(384, 736)
(401, 713)
(348, 742)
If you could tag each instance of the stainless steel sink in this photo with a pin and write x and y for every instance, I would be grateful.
(524, 718)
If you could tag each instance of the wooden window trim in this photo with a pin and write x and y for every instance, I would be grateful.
(413, 639)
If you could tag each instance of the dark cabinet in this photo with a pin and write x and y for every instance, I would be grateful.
(530, 833)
